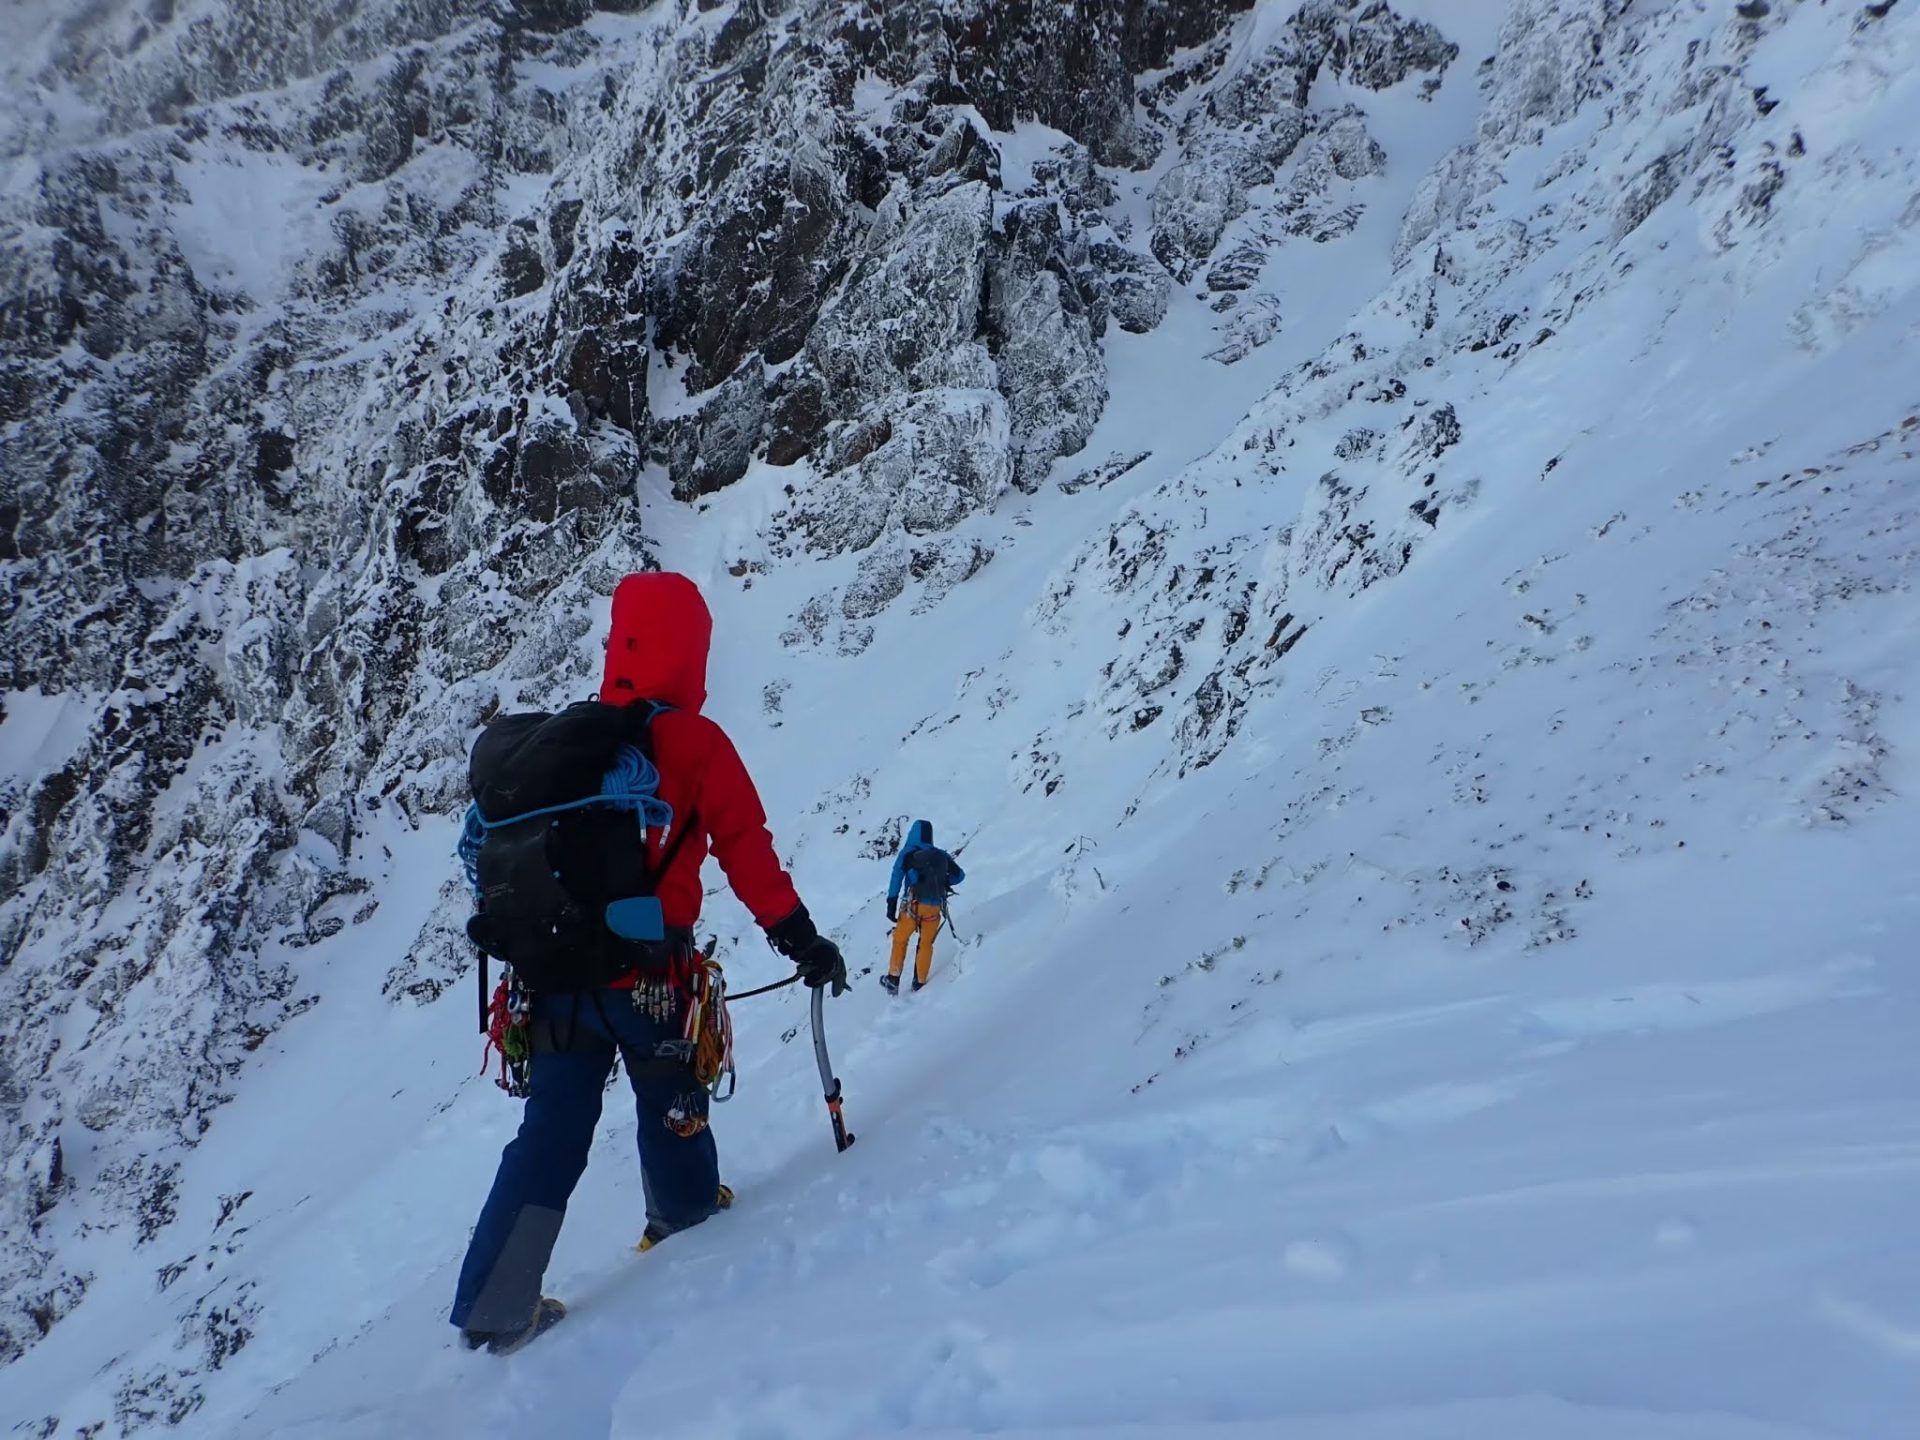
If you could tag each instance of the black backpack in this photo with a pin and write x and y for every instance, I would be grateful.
(555, 844)
(932, 874)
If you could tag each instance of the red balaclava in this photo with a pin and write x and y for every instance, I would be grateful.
(657, 649)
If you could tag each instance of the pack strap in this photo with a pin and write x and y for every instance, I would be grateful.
(673, 851)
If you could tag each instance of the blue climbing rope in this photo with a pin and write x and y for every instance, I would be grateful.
(633, 783)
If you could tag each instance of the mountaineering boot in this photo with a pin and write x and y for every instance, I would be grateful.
(547, 1314)
(919, 985)
(890, 984)
(655, 1233)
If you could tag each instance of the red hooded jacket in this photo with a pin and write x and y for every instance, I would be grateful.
(657, 650)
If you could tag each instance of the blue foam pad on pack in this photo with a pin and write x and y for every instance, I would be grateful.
(637, 918)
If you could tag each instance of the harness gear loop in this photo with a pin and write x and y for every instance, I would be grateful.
(507, 1035)
(709, 1028)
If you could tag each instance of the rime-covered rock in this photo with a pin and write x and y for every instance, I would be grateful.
(1242, 134)
(910, 304)
(1371, 44)
(1137, 290)
(946, 454)
(1046, 332)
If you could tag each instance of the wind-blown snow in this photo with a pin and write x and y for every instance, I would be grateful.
(242, 223)
(1435, 775)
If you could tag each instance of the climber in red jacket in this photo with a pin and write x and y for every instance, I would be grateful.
(656, 652)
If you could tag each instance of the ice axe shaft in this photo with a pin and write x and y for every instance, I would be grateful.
(829, 1084)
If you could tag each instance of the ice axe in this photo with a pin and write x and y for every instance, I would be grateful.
(829, 1083)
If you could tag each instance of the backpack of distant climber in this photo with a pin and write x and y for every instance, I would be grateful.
(929, 874)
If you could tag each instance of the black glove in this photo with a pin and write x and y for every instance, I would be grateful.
(793, 934)
(821, 964)
(893, 910)
(814, 956)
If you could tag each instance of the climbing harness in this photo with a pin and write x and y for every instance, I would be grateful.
(706, 1039)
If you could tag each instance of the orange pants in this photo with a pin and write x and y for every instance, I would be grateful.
(925, 919)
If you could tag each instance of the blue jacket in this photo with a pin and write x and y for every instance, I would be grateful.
(918, 835)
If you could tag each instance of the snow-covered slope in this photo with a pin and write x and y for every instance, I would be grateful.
(1435, 770)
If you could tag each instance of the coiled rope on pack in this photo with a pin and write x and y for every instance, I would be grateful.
(631, 783)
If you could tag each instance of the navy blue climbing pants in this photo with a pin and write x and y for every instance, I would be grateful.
(576, 1036)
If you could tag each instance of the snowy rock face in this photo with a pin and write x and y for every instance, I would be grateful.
(1372, 426)
(337, 340)
(1250, 126)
